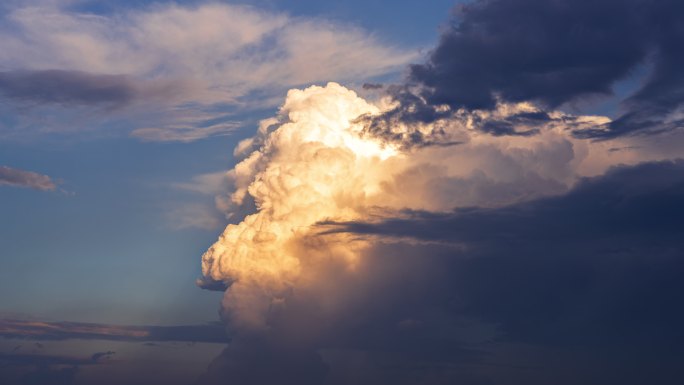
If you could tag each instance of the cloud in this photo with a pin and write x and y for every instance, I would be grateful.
(207, 58)
(20, 178)
(183, 215)
(595, 268)
(42, 330)
(81, 88)
(101, 355)
(213, 183)
(323, 296)
(315, 153)
(577, 288)
(194, 215)
(551, 54)
(184, 133)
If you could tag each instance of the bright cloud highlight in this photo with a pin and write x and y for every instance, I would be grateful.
(316, 162)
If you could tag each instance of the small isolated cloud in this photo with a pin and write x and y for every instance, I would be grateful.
(186, 133)
(451, 247)
(28, 179)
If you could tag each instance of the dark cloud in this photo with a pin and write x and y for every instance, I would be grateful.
(207, 283)
(39, 330)
(20, 178)
(555, 52)
(69, 88)
(549, 51)
(581, 288)
(100, 355)
(372, 86)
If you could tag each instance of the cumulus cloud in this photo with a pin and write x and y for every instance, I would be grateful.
(186, 58)
(315, 162)
(21, 178)
(296, 285)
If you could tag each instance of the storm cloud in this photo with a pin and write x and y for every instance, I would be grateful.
(353, 267)
(595, 270)
(553, 53)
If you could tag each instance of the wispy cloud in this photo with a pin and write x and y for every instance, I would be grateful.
(212, 183)
(195, 216)
(205, 56)
(43, 330)
(183, 133)
(67, 87)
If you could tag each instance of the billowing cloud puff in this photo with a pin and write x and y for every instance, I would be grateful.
(316, 162)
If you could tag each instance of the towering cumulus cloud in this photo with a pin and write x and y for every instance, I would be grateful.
(463, 227)
(307, 165)
(296, 283)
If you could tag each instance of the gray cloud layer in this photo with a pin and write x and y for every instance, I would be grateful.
(81, 88)
(39, 330)
(66, 87)
(551, 53)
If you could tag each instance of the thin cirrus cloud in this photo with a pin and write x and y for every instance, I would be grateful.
(168, 60)
(28, 179)
(57, 331)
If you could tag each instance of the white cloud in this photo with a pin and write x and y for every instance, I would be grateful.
(222, 53)
(315, 163)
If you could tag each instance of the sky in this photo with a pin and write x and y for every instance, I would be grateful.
(359, 192)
